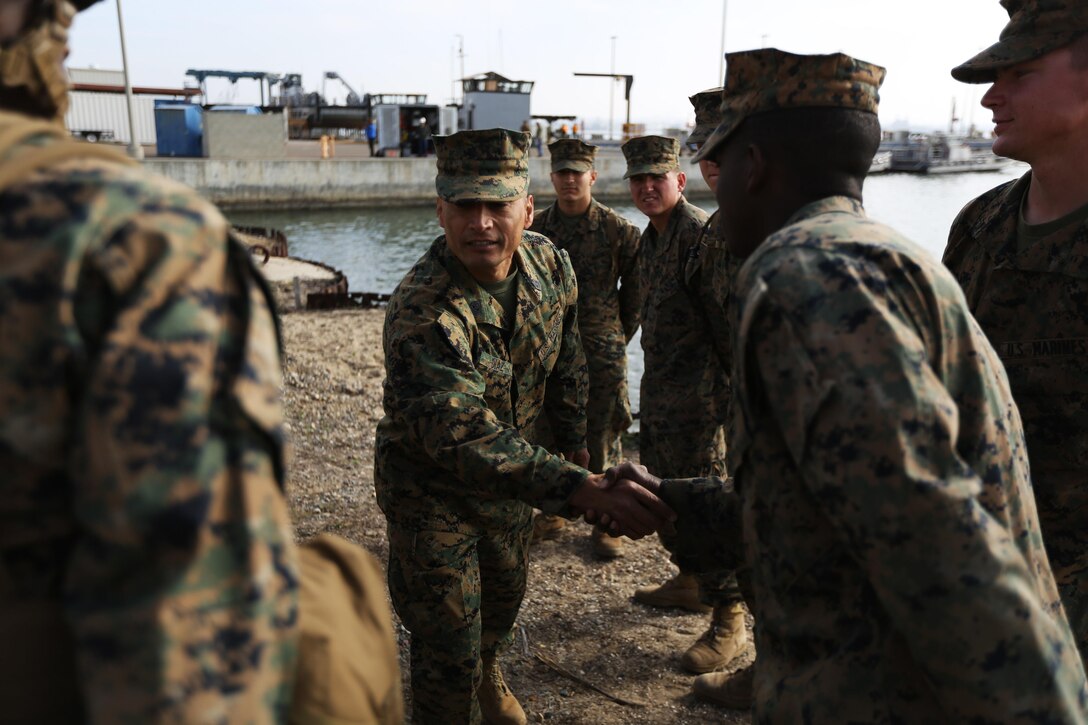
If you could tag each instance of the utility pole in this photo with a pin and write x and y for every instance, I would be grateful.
(612, 91)
(135, 150)
(721, 56)
(461, 55)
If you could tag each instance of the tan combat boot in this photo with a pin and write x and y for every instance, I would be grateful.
(606, 546)
(725, 639)
(731, 689)
(547, 526)
(497, 704)
(680, 591)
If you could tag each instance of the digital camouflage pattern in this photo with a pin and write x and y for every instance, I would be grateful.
(454, 473)
(573, 154)
(757, 81)
(487, 165)
(603, 249)
(141, 440)
(680, 432)
(710, 275)
(458, 593)
(882, 493)
(32, 64)
(707, 106)
(1035, 28)
(1033, 306)
(683, 387)
(651, 155)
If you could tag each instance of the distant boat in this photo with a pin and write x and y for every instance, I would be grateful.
(882, 161)
(941, 154)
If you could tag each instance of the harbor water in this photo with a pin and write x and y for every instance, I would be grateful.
(375, 247)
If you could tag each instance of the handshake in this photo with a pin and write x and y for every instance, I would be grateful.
(624, 501)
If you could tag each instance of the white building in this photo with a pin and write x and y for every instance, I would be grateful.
(97, 109)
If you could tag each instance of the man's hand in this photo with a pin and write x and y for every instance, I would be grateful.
(635, 473)
(579, 457)
(631, 509)
(625, 471)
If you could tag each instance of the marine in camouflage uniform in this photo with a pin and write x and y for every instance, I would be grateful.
(710, 275)
(683, 387)
(882, 493)
(679, 425)
(603, 250)
(147, 570)
(466, 375)
(1027, 284)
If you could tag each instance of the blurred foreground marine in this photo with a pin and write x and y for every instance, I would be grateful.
(882, 488)
(1019, 251)
(603, 250)
(481, 338)
(147, 570)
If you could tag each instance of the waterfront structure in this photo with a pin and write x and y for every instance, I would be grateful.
(494, 101)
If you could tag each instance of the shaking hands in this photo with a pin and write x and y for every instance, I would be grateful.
(624, 500)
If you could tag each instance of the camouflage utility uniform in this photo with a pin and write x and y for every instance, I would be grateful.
(684, 390)
(453, 472)
(146, 557)
(710, 276)
(1031, 300)
(680, 425)
(603, 249)
(882, 493)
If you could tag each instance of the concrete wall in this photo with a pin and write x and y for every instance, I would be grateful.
(242, 183)
(230, 135)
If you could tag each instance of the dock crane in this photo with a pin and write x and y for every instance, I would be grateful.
(353, 99)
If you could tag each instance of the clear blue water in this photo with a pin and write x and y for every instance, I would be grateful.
(374, 247)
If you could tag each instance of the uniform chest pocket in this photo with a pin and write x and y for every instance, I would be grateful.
(549, 346)
(498, 375)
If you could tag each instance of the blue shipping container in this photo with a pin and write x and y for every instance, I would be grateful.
(179, 129)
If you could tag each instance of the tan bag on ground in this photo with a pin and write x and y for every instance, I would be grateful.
(348, 672)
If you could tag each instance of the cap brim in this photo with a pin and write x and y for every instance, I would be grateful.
(658, 169)
(720, 134)
(699, 135)
(570, 165)
(983, 67)
(476, 188)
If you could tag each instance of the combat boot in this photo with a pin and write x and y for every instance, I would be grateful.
(497, 704)
(606, 546)
(680, 591)
(731, 689)
(725, 639)
(547, 526)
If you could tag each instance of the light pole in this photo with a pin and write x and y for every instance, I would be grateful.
(135, 150)
(461, 55)
(612, 90)
(721, 56)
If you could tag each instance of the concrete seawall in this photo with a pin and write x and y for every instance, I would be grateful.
(263, 183)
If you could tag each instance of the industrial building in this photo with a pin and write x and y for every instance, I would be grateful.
(97, 108)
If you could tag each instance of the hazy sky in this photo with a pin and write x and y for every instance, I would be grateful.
(671, 48)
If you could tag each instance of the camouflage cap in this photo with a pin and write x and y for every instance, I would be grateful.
(651, 155)
(1035, 28)
(757, 81)
(486, 165)
(708, 113)
(573, 154)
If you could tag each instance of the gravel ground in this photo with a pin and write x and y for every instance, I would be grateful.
(578, 612)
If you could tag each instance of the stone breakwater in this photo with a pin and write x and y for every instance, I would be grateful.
(265, 183)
